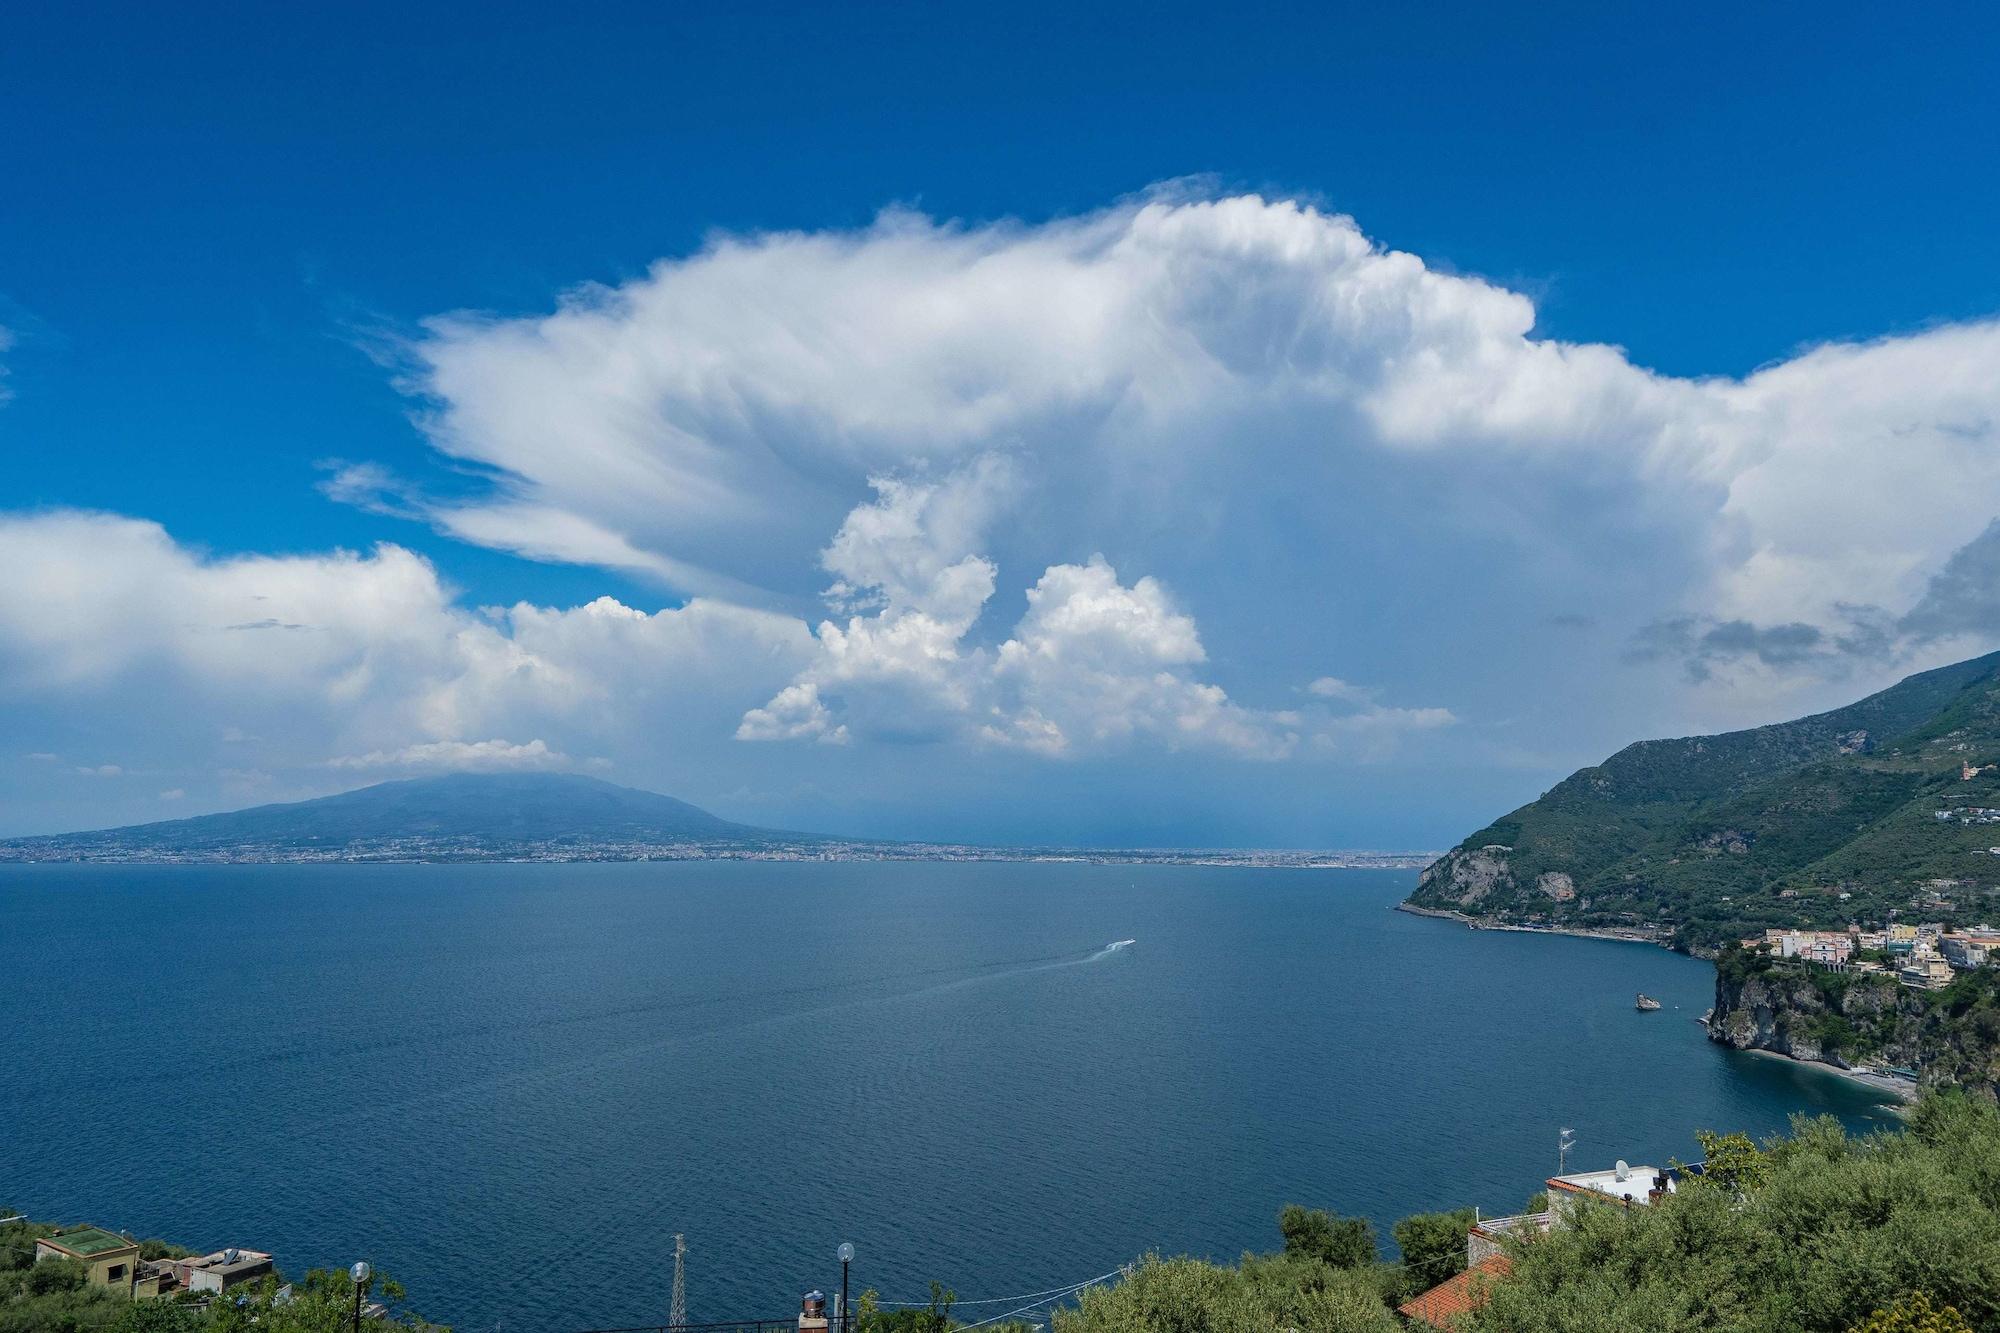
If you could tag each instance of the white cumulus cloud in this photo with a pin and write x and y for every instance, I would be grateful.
(265, 664)
(1093, 665)
(1168, 373)
(1098, 486)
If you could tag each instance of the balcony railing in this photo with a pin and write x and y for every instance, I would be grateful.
(1500, 1226)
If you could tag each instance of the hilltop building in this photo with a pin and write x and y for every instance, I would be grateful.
(1486, 1260)
(1970, 948)
(1444, 1305)
(222, 1270)
(1626, 1186)
(109, 1260)
(1925, 973)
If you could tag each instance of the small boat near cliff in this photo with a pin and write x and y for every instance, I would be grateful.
(1646, 1003)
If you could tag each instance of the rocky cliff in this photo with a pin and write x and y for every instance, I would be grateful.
(1951, 1036)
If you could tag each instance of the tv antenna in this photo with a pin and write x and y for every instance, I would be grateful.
(1565, 1140)
(677, 1313)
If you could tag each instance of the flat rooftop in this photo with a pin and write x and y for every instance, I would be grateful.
(89, 1242)
(220, 1262)
(1636, 1182)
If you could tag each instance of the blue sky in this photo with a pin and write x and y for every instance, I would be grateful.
(1397, 570)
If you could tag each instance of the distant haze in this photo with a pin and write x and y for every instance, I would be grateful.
(478, 808)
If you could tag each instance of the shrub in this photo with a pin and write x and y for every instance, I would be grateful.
(1338, 1242)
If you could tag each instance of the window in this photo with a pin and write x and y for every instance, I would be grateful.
(115, 1273)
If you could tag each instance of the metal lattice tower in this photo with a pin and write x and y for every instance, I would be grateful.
(677, 1316)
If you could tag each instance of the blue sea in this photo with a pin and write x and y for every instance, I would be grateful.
(509, 1086)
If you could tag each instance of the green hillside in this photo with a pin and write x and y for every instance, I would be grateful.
(1715, 835)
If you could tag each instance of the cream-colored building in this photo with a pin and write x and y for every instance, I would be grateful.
(109, 1260)
(1931, 973)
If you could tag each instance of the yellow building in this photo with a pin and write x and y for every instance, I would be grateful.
(1926, 974)
(108, 1259)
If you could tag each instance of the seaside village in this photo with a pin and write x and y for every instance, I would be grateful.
(1921, 956)
(114, 1261)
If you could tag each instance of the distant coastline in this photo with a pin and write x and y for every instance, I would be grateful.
(560, 818)
(61, 851)
(1622, 934)
(1902, 1090)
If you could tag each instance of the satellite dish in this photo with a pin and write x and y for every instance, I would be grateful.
(1621, 1170)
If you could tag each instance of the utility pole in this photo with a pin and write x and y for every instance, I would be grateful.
(677, 1314)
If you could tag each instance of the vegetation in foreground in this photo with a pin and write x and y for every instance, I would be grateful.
(1817, 1233)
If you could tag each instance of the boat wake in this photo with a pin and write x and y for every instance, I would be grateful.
(730, 1029)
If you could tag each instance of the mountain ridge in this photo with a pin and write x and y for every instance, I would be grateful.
(451, 812)
(1704, 837)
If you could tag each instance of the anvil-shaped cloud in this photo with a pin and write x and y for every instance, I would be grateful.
(1156, 479)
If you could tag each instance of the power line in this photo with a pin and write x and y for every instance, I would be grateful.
(1036, 1305)
(1007, 1300)
(1030, 1301)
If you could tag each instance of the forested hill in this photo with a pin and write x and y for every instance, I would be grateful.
(1710, 836)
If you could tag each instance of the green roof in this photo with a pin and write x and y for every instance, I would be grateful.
(89, 1242)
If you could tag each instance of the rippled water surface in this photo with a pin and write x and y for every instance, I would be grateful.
(509, 1086)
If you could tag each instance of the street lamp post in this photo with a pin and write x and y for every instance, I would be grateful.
(846, 1255)
(360, 1275)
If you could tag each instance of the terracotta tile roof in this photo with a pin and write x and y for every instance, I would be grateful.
(1463, 1294)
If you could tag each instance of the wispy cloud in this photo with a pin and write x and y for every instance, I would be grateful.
(476, 756)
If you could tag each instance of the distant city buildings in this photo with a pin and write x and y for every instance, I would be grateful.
(1828, 948)
(1972, 948)
(1924, 956)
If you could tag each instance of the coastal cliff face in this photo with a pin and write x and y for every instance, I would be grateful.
(1786, 1011)
(1846, 1020)
(1463, 879)
(1871, 813)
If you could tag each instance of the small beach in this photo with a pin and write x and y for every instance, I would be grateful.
(1903, 1090)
